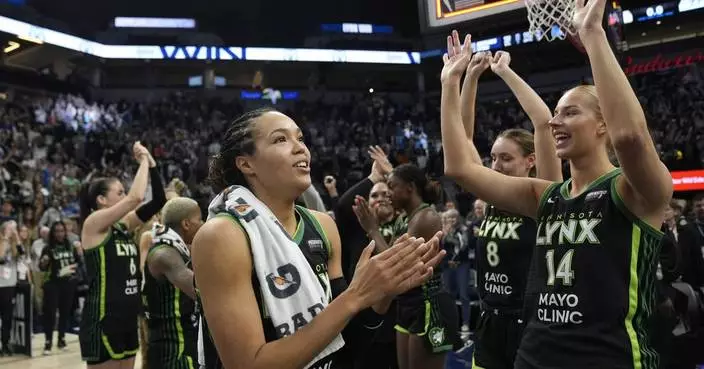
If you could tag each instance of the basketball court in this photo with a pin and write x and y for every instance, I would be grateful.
(70, 358)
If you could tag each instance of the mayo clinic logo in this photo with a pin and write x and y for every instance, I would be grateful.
(285, 282)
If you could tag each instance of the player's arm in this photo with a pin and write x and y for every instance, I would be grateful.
(647, 187)
(97, 223)
(223, 267)
(337, 281)
(147, 211)
(517, 195)
(549, 166)
(468, 99)
(165, 261)
(145, 242)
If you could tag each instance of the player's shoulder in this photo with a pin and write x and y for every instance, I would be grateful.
(219, 229)
(428, 214)
(324, 219)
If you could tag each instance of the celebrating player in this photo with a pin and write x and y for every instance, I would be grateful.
(591, 289)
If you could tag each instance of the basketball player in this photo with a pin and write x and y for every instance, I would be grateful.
(263, 151)
(505, 241)
(591, 286)
(168, 292)
(426, 321)
(173, 190)
(109, 325)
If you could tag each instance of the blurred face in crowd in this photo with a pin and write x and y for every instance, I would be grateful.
(116, 192)
(23, 233)
(28, 215)
(59, 232)
(281, 159)
(7, 208)
(508, 158)
(449, 218)
(578, 126)
(479, 206)
(380, 201)
(699, 209)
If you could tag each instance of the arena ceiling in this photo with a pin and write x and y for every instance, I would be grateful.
(262, 22)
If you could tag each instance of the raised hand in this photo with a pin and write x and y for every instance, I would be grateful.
(500, 62)
(478, 64)
(588, 17)
(457, 58)
(366, 217)
(382, 166)
(330, 183)
(139, 151)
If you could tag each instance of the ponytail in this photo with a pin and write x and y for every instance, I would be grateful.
(430, 191)
(88, 198)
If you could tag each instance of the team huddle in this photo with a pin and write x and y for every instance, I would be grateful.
(566, 269)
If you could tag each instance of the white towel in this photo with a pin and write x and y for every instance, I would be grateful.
(288, 285)
(164, 234)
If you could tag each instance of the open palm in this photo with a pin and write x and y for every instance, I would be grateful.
(457, 57)
(588, 17)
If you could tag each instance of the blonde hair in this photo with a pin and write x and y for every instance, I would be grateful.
(176, 210)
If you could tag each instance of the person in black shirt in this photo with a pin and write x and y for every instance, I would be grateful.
(60, 261)
(456, 273)
(110, 215)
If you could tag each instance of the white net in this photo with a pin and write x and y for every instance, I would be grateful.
(550, 19)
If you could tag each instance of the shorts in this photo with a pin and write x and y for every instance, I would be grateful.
(497, 339)
(165, 356)
(435, 318)
(110, 339)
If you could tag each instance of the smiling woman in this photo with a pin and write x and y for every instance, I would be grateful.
(279, 263)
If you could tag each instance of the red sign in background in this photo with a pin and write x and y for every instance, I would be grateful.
(662, 62)
(688, 180)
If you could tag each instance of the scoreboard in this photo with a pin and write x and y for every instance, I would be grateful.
(440, 13)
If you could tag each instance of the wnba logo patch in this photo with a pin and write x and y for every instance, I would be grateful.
(286, 283)
(436, 336)
(315, 245)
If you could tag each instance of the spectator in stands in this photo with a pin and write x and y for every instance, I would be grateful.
(691, 245)
(10, 253)
(456, 272)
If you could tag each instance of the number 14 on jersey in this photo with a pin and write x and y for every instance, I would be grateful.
(564, 271)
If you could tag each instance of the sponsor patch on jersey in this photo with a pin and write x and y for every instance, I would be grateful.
(595, 195)
(316, 245)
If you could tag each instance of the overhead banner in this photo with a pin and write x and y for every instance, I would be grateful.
(220, 53)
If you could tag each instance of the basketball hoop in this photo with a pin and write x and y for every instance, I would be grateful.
(551, 19)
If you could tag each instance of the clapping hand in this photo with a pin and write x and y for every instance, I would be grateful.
(407, 264)
(366, 217)
(381, 166)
